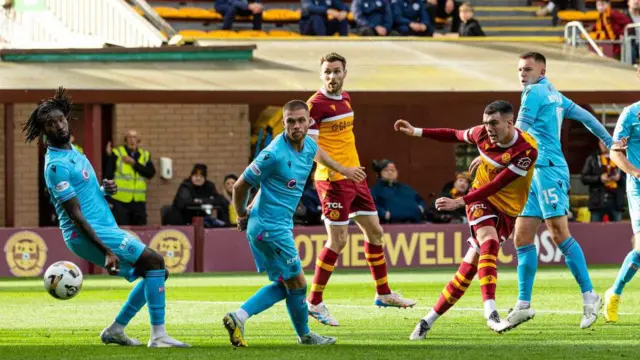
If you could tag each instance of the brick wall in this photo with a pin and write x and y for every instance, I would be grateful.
(216, 135)
(26, 172)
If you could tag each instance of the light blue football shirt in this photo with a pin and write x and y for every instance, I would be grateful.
(628, 125)
(68, 173)
(281, 172)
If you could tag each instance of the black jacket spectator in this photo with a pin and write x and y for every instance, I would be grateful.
(408, 13)
(372, 15)
(606, 186)
(471, 28)
(196, 191)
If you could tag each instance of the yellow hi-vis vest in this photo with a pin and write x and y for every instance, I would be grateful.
(131, 185)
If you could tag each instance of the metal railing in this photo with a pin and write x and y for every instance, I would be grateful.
(630, 43)
(33, 30)
(113, 21)
(572, 32)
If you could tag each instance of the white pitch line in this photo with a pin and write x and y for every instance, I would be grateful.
(564, 312)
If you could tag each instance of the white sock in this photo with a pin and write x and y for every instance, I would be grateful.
(431, 317)
(158, 331)
(588, 297)
(489, 307)
(116, 328)
(521, 304)
(241, 315)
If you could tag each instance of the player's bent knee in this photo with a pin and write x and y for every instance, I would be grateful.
(298, 281)
(150, 260)
(558, 229)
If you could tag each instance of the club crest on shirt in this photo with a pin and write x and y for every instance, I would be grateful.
(505, 158)
(292, 184)
(85, 174)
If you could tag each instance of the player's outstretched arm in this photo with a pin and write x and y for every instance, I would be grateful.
(439, 134)
(72, 207)
(356, 174)
(575, 112)
(239, 198)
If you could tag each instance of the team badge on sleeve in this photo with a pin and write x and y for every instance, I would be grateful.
(62, 186)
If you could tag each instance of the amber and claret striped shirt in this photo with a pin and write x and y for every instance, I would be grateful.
(332, 121)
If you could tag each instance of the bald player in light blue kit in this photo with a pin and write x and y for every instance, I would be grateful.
(89, 229)
(281, 171)
(542, 110)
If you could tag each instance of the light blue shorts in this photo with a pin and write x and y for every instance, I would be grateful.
(549, 193)
(277, 256)
(126, 246)
(633, 197)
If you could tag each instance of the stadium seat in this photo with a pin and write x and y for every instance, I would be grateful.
(278, 15)
(221, 33)
(252, 33)
(574, 15)
(200, 13)
(193, 33)
(168, 12)
(283, 33)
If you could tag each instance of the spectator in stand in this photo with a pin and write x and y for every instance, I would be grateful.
(606, 186)
(312, 204)
(229, 9)
(469, 27)
(453, 189)
(410, 18)
(196, 191)
(396, 202)
(445, 9)
(373, 17)
(229, 181)
(130, 166)
(610, 24)
(324, 17)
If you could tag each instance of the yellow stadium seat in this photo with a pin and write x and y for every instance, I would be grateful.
(441, 21)
(574, 15)
(275, 15)
(350, 17)
(283, 33)
(221, 33)
(193, 34)
(199, 13)
(167, 12)
(252, 33)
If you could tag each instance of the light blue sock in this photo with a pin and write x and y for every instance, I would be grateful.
(574, 258)
(527, 268)
(155, 294)
(627, 271)
(298, 310)
(134, 303)
(265, 298)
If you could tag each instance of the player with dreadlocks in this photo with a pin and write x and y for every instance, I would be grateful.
(90, 230)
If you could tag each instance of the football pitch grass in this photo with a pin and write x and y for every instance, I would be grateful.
(33, 325)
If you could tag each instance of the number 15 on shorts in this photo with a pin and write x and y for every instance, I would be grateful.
(550, 196)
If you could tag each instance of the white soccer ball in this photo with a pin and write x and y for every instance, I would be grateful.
(63, 280)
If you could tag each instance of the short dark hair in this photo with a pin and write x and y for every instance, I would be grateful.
(331, 57)
(500, 107)
(295, 105)
(536, 56)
